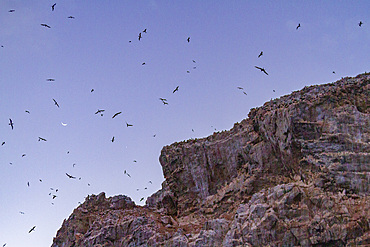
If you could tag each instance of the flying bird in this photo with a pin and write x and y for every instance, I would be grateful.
(2, 143)
(143, 63)
(112, 139)
(116, 114)
(128, 125)
(42, 139)
(163, 99)
(139, 36)
(245, 93)
(70, 176)
(144, 30)
(45, 25)
(50, 79)
(21, 212)
(260, 54)
(262, 69)
(240, 88)
(150, 182)
(176, 89)
(27, 111)
(32, 229)
(92, 90)
(73, 164)
(53, 6)
(54, 196)
(11, 123)
(55, 102)
(23, 155)
(12, 10)
(333, 72)
(187, 71)
(125, 172)
(71, 17)
(142, 199)
(64, 124)
(28, 184)
(360, 23)
(188, 39)
(194, 61)
(99, 111)
(299, 25)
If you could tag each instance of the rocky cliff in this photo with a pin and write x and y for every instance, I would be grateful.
(296, 172)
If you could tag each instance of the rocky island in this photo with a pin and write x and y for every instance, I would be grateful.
(296, 172)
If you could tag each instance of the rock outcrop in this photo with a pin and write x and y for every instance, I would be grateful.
(296, 172)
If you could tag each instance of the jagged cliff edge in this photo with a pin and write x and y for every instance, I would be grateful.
(295, 172)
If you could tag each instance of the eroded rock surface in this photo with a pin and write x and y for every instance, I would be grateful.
(296, 172)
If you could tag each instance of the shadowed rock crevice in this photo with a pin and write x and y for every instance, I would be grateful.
(296, 172)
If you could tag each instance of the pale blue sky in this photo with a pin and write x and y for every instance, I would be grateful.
(93, 51)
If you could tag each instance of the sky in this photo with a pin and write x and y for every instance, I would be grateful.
(99, 49)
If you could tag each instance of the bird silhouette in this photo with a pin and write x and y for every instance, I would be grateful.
(27, 111)
(142, 199)
(139, 36)
(23, 155)
(99, 111)
(360, 23)
(176, 89)
(260, 54)
(245, 93)
(42, 139)
(262, 69)
(32, 229)
(55, 103)
(70, 176)
(112, 139)
(28, 184)
(92, 90)
(299, 25)
(12, 10)
(128, 125)
(116, 114)
(54, 196)
(11, 123)
(45, 25)
(188, 39)
(71, 17)
(143, 63)
(240, 88)
(150, 182)
(53, 6)
(194, 61)
(3, 143)
(144, 30)
(163, 99)
(21, 212)
(50, 79)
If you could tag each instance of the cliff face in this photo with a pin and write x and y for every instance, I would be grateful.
(295, 172)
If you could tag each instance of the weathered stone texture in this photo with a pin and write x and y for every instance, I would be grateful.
(296, 172)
